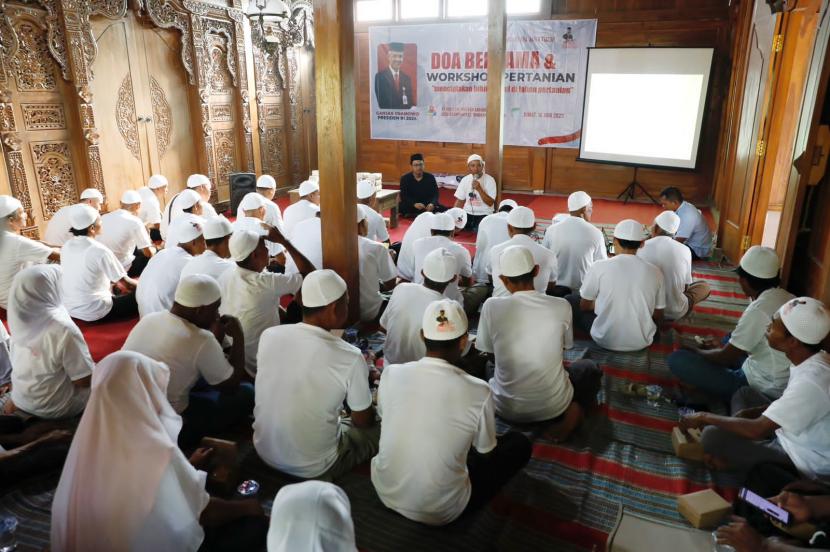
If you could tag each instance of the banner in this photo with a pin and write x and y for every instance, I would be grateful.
(429, 82)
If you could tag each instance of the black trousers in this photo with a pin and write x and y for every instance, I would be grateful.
(246, 533)
(123, 306)
(490, 472)
(139, 264)
(473, 221)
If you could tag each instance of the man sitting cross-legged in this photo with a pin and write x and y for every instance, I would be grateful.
(304, 374)
(433, 413)
(526, 332)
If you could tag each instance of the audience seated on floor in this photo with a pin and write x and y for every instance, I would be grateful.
(305, 373)
(266, 186)
(58, 228)
(376, 224)
(433, 413)
(421, 227)
(305, 208)
(127, 486)
(201, 184)
(185, 205)
(377, 269)
(126, 235)
(187, 338)
(693, 231)
(255, 215)
(152, 196)
(492, 230)
(525, 333)
(307, 238)
(216, 258)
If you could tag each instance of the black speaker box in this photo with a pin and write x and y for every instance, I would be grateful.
(241, 184)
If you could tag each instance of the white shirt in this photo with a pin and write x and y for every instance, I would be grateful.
(150, 212)
(376, 266)
(803, 412)
(305, 373)
(16, 253)
(425, 246)
(254, 298)
(172, 240)
(254, 224)
(157, 286)
(421, 227)
(89, 270)
(542, 256)
(42, 381)
(577, 244)
(207, 263)
(307, 238)
(208, 210)
(296, 212)
(527, 332)
(626, 290)
(475, 205)
(492, 230)
(766, 369)
(187, 350)
(123, 233)
(273, 215)
(421, 468)
(402, 320)
(675, 262)
(377, 225)
(57, 229)
(694, 228)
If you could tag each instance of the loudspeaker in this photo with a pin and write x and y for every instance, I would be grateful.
(241, 184)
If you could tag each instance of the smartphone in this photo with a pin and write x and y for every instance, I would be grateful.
(777, 513)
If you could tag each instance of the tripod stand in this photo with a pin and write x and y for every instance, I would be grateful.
(631, 190)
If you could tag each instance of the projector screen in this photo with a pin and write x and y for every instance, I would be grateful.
(644, 106)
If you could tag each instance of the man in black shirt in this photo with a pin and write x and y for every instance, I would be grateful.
(419, 191)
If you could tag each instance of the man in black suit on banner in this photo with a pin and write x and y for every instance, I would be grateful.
(393, 88)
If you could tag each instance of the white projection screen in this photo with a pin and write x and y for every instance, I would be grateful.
(644, 106)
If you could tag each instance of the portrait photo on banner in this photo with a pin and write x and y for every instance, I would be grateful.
(396, 75)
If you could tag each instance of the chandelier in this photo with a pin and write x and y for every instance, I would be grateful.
(277, 26)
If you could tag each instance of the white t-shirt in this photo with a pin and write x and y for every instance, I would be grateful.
(377, 225)
(475, 205)
(425, 246)
(157, 286)
(42, 380)
(273, 215)
(89, 270)
(432, 414)
(297, 212)
(577, 244)
(492, 230)
(16, 253)
(421, 227)
(803, 412)
(766, 369)
(626, 290)
(305, 373)
(187, 350)
(541, 255)
(57, 229)
(123, 233)
(254, 298)
(376, 265)
(694, 228)
(150, 212)
(527, 332)
(207, 263)
(675, 262)
(307, 238)
(208, 211)
(402, 320)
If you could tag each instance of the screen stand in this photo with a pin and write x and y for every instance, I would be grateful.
(631, 190)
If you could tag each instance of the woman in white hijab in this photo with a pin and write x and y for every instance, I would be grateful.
(126, 486)
(313, 516)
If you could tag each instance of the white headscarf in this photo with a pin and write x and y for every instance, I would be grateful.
(124, 444)
(312, 516)
(35, 304)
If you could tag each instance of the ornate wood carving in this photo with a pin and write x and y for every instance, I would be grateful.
(125, 116)
(221, 81)
(162, 117)
(55, 175)
(225, 149)
(7, 123)
(272, 158)
(166, 16)
(32, 65)
(43, 116)
(295, 110)
(221, 113)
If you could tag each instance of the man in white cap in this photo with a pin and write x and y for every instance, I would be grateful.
(216, 258)
(793, 431)
(621, 300)
(693, 231)
(307, 237)
(492, 230)
(443, 229)
(152, 196)
(433, 413)
(252, 294)
(185, 205)
(16, 251)
(305, 374)
(91, 272)
(675, 262)
(187, 337)
(266, 186)
(157, 286)
(126, 236)
(520, 224)
(252, 212)
(305, 208)
(57, 229)
(476, 192)
(420, 228)
(377, 269)
(403, 315)
(525, 333)
(576, 242)
(375, 222)
(721, 371)
(201, 184)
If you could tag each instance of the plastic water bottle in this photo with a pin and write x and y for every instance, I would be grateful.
(8, 540)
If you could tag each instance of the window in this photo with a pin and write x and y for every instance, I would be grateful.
(523, 7)
(374, 10)
(420, 9)
(466, 8)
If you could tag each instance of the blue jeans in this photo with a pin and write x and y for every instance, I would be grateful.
(210, 412)
(709, 377)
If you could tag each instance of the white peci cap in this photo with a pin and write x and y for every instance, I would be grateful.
(630, 229)
(507, 203)
(669, 221)
(459, 216)
(322, 287)
(761, 262)
(807, 319)
(187, 199)
(266, 181)
(308, 187)
(516, 260)
(217, 227)
(252, 201)
(9, 205)
(82, 216)
(197, 290)
(440, 265)
(521, 217)
(444, 320)
(443, 222)
(92, 193)
(475, 157)
(185, 230)
(243, 243)
(157, 181)
(365, 189)
(197, 180)
(130, 197)
(577, 201)
(362, 213)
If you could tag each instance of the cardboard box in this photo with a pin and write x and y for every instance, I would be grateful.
(703, 509)
(687, 445)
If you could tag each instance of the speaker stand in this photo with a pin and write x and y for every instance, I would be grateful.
(630, 190)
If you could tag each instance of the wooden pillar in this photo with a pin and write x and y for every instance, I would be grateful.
(494, 143)
(334, 82)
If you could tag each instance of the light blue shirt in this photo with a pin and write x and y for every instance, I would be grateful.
(693, 227)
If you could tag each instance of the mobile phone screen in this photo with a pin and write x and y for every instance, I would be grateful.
(778, 514)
